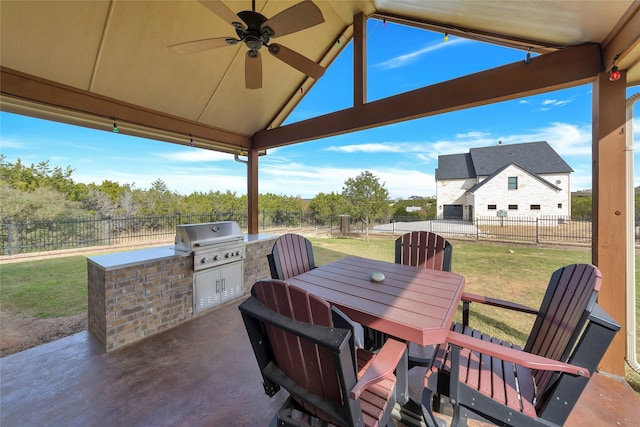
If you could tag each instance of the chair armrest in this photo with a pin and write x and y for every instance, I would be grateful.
(467, 297)
(518, 357)
(383, 365)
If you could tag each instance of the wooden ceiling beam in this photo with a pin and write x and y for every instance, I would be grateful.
(145, 122)
(557, 70)
(620, 43)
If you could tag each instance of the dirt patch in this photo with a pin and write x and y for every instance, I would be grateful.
(19, 332)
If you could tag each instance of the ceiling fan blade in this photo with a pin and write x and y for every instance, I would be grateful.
(296, 60)
(253, 70)
(298, 17)
(220, 9)
(204, 44)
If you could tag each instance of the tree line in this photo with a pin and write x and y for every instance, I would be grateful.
(42, 192)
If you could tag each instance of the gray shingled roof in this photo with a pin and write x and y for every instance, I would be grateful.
(455, 166)
(535, 157)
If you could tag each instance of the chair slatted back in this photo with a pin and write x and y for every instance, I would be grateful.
(311, 366)
(424, 249)
(569, 299)
(292, 254)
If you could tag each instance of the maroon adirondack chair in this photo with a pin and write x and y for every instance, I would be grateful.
(306, 347)
(424, 249)
(291, 255)
(419, 249)
(497, 382)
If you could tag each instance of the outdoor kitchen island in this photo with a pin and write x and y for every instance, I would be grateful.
(135, 294)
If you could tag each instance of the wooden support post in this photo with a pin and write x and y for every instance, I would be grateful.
(359, 60)
(609, 207)
(252, 192)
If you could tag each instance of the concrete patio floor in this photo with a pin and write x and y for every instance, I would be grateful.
(201, 373)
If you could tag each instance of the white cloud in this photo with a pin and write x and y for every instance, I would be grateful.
(305, 180)
(378, 147)
(11, 143)
(548, 104)
(411, 57)
(473, 134)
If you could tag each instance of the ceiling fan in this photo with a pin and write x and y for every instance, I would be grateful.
(255, 31)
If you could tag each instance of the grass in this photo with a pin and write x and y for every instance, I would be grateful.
(45, 288)
(58, 287)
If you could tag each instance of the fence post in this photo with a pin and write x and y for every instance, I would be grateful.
(477, 221)
(9, 236)
(109, 230)
(537, 230)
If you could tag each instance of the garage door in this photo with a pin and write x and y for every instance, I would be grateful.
(452, 212)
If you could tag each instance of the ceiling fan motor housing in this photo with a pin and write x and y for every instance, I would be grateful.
(254, 36)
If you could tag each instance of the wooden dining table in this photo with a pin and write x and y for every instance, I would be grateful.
(411, 303)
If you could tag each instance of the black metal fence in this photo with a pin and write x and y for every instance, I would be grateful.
(47, 235)
(38, 236)
(527, 229)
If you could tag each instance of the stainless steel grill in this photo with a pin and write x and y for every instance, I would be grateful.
(212, 243)
(218, 250)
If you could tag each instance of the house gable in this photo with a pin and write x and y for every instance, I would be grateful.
(533, 197)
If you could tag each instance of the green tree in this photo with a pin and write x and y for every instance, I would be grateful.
(113, 190)
(283, 210)
(40, 204)
(581, 206)
(367, 197)
(158, 200)
(30, 178)
(220, 205)
(328, 207)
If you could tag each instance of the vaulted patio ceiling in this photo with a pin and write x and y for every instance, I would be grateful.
(87, 62)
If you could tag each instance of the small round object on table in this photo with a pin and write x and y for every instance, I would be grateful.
(376, 276)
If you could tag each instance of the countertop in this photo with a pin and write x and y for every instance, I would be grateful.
(139, 256)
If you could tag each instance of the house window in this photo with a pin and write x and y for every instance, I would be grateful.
(492, 207)
(513, 207)
(534, 207)
(559, 205)
(513, 183)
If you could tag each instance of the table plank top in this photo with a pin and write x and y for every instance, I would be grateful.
(414, 304)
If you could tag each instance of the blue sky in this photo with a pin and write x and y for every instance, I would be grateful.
(403, 156)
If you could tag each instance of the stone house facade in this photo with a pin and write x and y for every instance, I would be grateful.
(528, 179)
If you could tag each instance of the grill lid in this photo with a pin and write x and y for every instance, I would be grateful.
(194, 236)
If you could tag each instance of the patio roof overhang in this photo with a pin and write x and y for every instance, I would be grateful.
(87, 63)
(94, 61)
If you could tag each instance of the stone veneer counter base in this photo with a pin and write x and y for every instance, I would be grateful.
(135, 294)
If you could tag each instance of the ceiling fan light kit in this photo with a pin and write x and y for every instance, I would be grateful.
(255, 30)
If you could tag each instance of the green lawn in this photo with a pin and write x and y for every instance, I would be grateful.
(58, 287)
(45, 288)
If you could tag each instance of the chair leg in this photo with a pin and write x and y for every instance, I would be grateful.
(427, 413)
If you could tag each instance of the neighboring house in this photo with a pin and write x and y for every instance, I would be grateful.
(528, 179)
